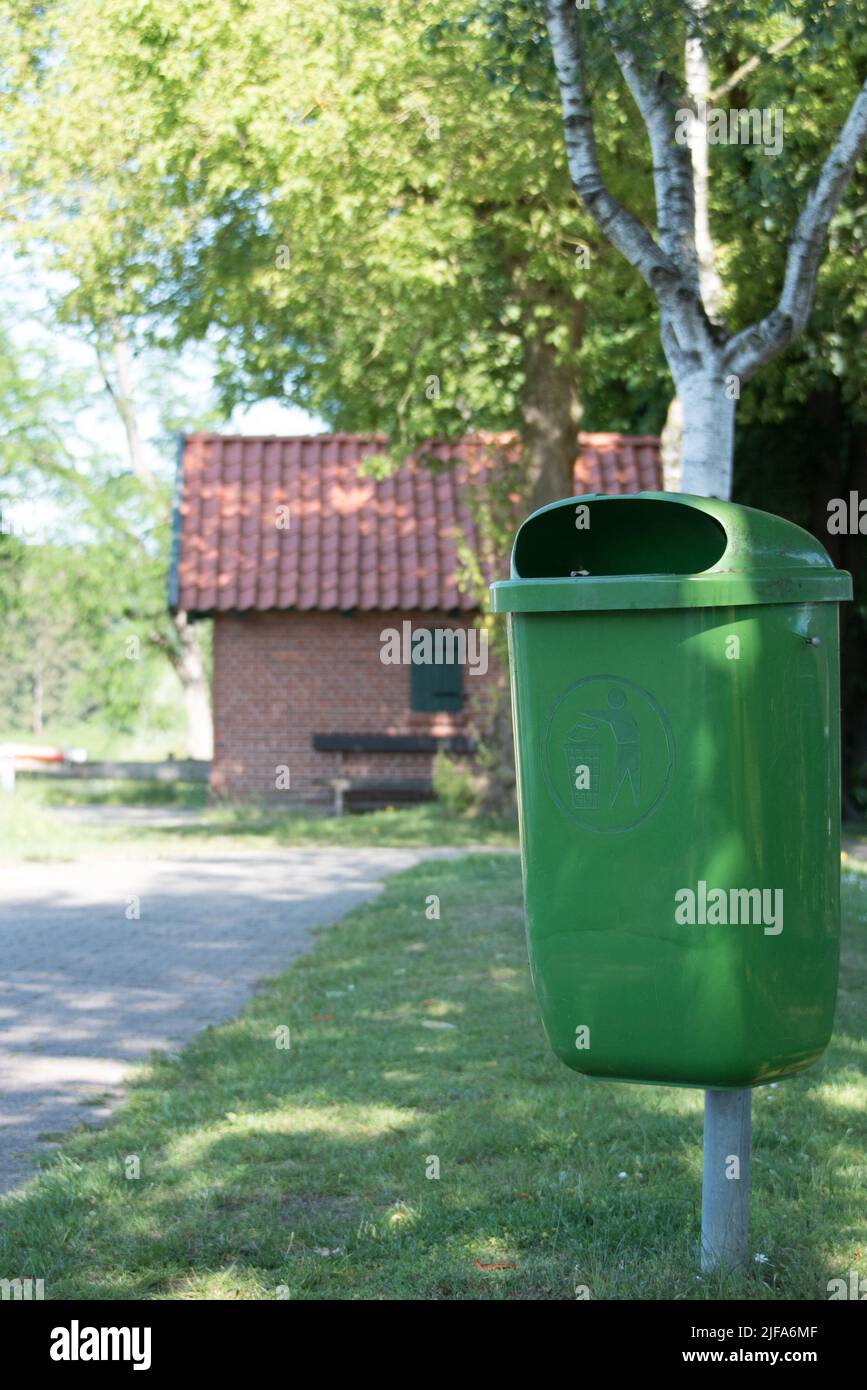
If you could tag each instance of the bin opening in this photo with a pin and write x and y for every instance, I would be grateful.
(617, 535)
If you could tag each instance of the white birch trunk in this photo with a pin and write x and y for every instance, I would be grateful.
(188, 661)
(190, 668)
(698, 85)
(670, 444)
(707, 446)
(197, 704)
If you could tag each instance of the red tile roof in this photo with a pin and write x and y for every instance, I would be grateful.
(350, 542)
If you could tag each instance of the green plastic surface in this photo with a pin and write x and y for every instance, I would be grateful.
(685, 746)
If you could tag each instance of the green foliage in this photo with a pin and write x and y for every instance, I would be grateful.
(84, 632)
(454, 784)
(357, 207)
(343, 201)
(38, 401)
(77, 642)
(812, 77)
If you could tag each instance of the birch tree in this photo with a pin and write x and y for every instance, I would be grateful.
(176, 636)
(708, 362)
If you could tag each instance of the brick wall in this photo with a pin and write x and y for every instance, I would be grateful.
(280, 678)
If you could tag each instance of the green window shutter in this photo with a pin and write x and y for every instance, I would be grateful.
(436, 687)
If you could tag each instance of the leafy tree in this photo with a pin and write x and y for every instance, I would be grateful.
(677, 258)
(85, 630)
(62, 653)
(344, 201)
(38, 402)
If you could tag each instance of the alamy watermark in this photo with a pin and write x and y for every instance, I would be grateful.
(22, 1290)
(847, 518)
(440, 646)
(855, 1289)
(77, 1343)
(733, 126)
(712, 907)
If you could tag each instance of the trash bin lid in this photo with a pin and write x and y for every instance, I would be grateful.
(662, 550)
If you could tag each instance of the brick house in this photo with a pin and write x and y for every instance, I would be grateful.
(303, 565)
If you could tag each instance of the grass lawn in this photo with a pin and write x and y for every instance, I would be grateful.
(33, 825)
(269, 1172)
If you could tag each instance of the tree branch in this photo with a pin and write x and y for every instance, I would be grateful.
(121, 394)
(756, 345)
(696, 69)
(672, 165)
(750, 66)
(670, 270)
(621, 227)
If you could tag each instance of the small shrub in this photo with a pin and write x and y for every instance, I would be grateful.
(454, 785)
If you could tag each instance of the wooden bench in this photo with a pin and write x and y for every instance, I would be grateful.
(372, 793)
(367, 793)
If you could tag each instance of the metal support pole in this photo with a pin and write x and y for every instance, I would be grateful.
(725, 1198)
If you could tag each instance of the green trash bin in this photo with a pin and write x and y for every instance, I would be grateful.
(675, 688)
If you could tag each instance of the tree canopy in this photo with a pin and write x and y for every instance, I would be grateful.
(345, 201)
